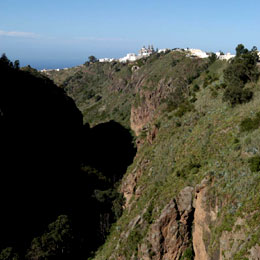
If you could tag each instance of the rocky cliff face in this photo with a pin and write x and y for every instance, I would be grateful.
(202, 219)
(170, 236)
(145, 111)
(183, 228)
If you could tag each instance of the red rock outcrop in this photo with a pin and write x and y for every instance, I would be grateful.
(170, 235)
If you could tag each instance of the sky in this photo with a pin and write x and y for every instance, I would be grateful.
(64, 33)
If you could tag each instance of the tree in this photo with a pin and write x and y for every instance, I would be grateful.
(92, 59)
(212, 58)
(240, 49)
(241, 70)
(57, 243)
(16, 64)
(8, 254)
(4, 59)
(5, 62)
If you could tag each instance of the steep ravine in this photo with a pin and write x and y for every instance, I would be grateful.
(59, 177)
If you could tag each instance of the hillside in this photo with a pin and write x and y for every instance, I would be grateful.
(192, 190)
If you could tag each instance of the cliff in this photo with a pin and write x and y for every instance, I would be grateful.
(192, 190)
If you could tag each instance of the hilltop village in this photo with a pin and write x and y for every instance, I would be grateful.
(147, 51)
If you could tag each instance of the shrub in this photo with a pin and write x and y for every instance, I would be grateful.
(90, 94)
(212, 58)
(188, 254)
(97, 98)
(175, 99)
(248, 140)
(133, 240)
(148, 215)
(184, 108)
(214, 93)
(193, 99)
(249, 124)
(237, 95)
(196, 88)
(223, 85)
(254, 163)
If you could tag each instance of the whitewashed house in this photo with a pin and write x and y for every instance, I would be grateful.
(145, 52)
(106, 60)
(163, 50)
(227, 56)
(197, 53)
(258, 53)
(129, 57)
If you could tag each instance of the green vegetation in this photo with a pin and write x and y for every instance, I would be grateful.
(208, 139)
(187, 133)
(250, 124)
(254, 163)
(188, 254)
(92, 59)
(9, 254)
(242, 70)
(119, 88)
(56, 242)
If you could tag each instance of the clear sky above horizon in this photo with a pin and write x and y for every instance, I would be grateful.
(64, 33)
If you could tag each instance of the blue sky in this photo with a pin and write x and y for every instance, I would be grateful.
(64, 33)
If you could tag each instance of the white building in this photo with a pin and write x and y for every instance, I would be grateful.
(129, 57)
(202, 54)
(258, 53)
(145, 52)
(163, 50)
(197, 53)
(106, 60)
(227, 56)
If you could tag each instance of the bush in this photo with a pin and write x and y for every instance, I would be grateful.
(133, 240)
(237, 95)
(188, 254)
(223, 85)
(175, 99)
(254, 163)
(90, 94)
(196, 88)
(193, 99)
(214, 93)
(148, 215)
(249, 124)
(97, 98)
(184, 108)
(212, 58)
